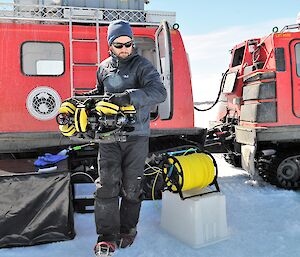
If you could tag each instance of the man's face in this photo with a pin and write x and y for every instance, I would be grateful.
(122, 46)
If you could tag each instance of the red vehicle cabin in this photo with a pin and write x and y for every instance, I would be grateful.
(49, 54)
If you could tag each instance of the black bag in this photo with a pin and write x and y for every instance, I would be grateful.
(35, 208)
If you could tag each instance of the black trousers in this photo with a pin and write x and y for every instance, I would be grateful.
(121, 169)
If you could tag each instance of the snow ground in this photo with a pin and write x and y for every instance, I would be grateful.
(263, 221)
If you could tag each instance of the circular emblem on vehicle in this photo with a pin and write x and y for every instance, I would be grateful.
(43, 103)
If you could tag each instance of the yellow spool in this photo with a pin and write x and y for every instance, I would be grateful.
(107, 108)
(197, 171)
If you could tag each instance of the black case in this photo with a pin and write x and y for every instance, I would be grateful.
(35, 208)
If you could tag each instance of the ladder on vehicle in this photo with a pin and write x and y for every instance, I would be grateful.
(75, 88)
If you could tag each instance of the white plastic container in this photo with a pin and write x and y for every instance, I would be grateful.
(197, 221)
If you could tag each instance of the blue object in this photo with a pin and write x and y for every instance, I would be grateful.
(117, 29)
(49, 159)
(170, 171)
(63, 152)
(181, 151)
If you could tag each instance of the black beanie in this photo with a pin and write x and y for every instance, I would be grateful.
(117, 29)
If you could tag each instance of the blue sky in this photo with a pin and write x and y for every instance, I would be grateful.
(199, 16)
(211, 28)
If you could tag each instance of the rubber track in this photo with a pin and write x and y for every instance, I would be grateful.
(233, 160)
(267, 169)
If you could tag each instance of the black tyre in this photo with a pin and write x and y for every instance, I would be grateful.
(282, 170)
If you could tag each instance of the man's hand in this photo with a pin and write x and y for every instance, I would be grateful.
(120, 99)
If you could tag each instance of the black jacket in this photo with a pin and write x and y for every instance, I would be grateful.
(137, 76)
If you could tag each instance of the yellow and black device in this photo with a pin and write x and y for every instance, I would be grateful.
(183, 171)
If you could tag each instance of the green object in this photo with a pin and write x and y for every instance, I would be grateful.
(79, 147)
(76, 148)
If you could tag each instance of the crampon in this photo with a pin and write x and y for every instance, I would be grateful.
(105, 249)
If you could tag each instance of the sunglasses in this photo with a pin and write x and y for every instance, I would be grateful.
(120, 45)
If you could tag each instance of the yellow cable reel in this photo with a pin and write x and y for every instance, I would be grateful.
(187, 172)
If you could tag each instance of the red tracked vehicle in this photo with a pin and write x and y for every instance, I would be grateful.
(50, 51)
(259, 108)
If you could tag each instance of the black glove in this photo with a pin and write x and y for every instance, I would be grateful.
(120, 99)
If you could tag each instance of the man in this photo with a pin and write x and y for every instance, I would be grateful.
(133, 80)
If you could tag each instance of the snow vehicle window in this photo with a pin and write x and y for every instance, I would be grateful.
(165, 68)
(146, 47)
(297, 54)
(238, 56)
(42, 59)
(229, 82)
(162, 55)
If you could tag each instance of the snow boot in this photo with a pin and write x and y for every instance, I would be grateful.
(104, 248)
(106, 245)
(126, 239)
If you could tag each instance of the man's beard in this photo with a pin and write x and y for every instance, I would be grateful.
(123, 55)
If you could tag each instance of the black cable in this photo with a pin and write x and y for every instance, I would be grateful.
(218, 97)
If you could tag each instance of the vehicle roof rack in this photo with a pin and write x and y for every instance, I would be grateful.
(37, 13)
